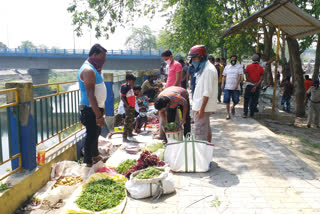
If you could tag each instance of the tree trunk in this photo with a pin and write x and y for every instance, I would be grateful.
(268, 78)
(295, 60)
(315, 75)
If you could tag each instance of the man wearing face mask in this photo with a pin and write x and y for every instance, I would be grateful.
(205, 93)
(93, 96)
(174, 69)
(231, 84)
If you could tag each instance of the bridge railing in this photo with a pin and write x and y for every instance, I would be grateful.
(56, 114)
(6, 136)
(74, 52)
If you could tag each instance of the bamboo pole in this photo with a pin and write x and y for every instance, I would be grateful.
(275, 74)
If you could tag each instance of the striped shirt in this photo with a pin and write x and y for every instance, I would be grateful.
(177, 95)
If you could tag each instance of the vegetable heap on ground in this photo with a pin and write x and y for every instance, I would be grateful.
(101, 195)
(150, 172)
(67, 181)
(125, 165)
(146, 159)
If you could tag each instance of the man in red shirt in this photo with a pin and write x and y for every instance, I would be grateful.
(254, 75)
(307, 84)
(174, 69)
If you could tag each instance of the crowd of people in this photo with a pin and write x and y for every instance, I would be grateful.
(168, 90)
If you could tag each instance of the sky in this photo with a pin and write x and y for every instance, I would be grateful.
(48, 22)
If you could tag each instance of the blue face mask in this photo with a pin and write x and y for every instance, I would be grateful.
(195, 64)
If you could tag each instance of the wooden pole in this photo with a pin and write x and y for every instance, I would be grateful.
(275, 74)
(258, 38)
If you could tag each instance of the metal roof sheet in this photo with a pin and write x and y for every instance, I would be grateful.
(292, 20)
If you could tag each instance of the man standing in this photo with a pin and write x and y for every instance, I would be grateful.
(254, 76)
(205, 94)
(314, 105)
(185, 75)
(191, 73)
(170, 99)
(93, 96)
(174, 69)
(221, 68)
(231, 84)
(287, 93)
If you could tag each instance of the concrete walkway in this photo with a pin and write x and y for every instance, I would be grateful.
(254, 173)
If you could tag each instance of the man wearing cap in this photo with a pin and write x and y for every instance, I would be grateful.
(254, 76)
(206, 92)
(314, 105)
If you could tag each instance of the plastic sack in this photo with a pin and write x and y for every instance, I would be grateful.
(189, 155)
(144, 188)
(68, 168)
(72, 207)
(104, 146)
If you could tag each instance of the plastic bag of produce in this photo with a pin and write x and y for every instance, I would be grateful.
(72, 207)
(152, 187)
(189, 155)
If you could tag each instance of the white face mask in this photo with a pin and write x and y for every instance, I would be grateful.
(168, 61)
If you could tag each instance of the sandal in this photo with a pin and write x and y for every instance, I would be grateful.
(228, 117)
(97, 159)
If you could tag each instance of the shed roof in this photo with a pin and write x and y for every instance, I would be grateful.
(292, 20)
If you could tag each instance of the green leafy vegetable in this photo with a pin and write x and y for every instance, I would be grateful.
(3, 187)
(150, 172)
(171, 127)
(125, 165)
(101, 195)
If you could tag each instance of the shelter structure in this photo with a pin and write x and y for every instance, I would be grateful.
(287, 18)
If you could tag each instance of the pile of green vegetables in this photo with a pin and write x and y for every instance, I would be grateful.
(150, 172)
(125, 165)
(101, 195)
(171, 127)
(3, 187)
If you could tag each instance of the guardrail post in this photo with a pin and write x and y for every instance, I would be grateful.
(25, 124)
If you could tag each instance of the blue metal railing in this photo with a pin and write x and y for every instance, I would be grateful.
(73, 52)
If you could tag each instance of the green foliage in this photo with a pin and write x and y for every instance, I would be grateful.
(104, 16)
(2, 45)
(27, 44)
(141, 39)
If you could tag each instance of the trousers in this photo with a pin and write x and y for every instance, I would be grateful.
(88, 119)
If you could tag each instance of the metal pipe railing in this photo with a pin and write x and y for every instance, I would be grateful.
(14, 107)
(56, 124)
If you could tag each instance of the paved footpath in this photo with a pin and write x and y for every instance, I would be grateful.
(254, 173)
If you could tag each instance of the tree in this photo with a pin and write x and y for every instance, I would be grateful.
(42, 46)
(2, 45)
(315, 75)
(27, 44)
(141, 39)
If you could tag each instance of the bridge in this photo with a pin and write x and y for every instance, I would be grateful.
(18, 58)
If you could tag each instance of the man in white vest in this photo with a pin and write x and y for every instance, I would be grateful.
(206, 91)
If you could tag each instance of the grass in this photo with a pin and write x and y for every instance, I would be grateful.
(308, 142)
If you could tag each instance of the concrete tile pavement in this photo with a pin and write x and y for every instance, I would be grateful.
(255, 173)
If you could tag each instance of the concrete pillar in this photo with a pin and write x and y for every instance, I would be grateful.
(25, 130)
(40, 76)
